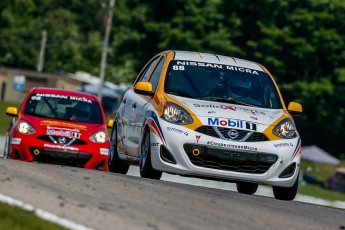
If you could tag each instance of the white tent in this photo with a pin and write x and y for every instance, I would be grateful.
(315, 154)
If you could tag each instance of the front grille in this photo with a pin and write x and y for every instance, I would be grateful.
(51, 139)
(222, 133)
(60, 157)
(230, 159)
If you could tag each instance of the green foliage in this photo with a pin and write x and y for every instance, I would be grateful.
(300, 42)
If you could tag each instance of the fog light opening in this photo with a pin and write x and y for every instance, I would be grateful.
(288, 171)
(166, 155)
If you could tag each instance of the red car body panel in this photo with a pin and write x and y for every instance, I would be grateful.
(60, 141)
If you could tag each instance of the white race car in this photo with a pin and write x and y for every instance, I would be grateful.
(208, 116)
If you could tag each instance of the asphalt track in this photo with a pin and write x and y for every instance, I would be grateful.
(100, 200)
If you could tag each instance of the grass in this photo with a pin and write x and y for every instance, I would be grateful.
(4, 119)
(15, 218)
(321, 172)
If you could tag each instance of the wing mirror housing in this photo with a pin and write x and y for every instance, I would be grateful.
(144, 88)
(295, 108)
(12, 111)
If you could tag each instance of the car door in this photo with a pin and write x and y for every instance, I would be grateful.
(135, 105)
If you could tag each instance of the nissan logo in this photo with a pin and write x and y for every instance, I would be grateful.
(62, 140)
(233, 134)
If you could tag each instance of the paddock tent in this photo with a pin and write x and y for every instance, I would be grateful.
(315, 154)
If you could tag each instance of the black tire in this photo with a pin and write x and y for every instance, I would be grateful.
(146, 169)
(246, 188)
(115, 165)
(286, 193)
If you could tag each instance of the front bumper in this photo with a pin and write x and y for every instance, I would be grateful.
(189, 153)
(90, 155)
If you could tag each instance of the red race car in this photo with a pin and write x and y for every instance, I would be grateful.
(60, 127)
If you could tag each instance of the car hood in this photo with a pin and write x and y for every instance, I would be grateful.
(202, 108)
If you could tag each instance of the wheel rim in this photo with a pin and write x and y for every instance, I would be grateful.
(145, 146)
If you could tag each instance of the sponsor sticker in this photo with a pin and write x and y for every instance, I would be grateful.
(283, 145)
(61, 147)
(231, 123)
(104, 151)
(233, 146)
(197, 138)
(177, 131)
(62, 133)
(16, 141)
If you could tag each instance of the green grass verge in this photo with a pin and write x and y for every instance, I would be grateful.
(4, 119)
(15, 218)
(321, 172)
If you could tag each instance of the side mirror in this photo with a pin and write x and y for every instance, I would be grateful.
(12, 111)
(110, 123)
(295, 108)
(144, 88)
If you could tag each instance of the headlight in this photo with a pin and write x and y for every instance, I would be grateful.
(285, 129)
(99, 137)
(175, 114)
(25, 128)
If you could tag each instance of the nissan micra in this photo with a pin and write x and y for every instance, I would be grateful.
(58, 126)
(208, 116)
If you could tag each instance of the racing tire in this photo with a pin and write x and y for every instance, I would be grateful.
(246, 188)
(286, 193)
(145, 166)
(115, 165)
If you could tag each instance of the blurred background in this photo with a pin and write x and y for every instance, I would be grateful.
(59, 43)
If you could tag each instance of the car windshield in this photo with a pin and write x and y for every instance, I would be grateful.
(225, 83)
(63, 107)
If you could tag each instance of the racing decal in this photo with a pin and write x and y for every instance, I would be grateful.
(39, 96)
(65, 124)
(297, 149)
(180, 66)
(61, 147)
(16, 141)
(177, 131)
(231, 123)
(197, 137)
(233, 146)
(215, 106)
(233, 108)
(104, 151)
(156, 127)
(283, 145)
(62, 133)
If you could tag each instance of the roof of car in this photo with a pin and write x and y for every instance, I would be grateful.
(341, 170)
(48, 90)
(216, 59)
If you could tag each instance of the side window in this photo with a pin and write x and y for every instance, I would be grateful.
(156, 75)
(146, 73)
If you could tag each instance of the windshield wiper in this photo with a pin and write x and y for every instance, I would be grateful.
(228, 100)
(178, 92)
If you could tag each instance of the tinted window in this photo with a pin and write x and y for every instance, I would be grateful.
(156, 75)
(145, 75)
(216, 81)
(64, 108)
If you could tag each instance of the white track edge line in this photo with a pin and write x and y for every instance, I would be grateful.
(43, 214)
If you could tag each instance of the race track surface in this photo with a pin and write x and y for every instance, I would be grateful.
(102, 200)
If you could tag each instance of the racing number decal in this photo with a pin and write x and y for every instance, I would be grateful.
(178, 67)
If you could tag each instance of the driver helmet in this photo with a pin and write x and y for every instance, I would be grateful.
(240, 86)
(82, 111)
